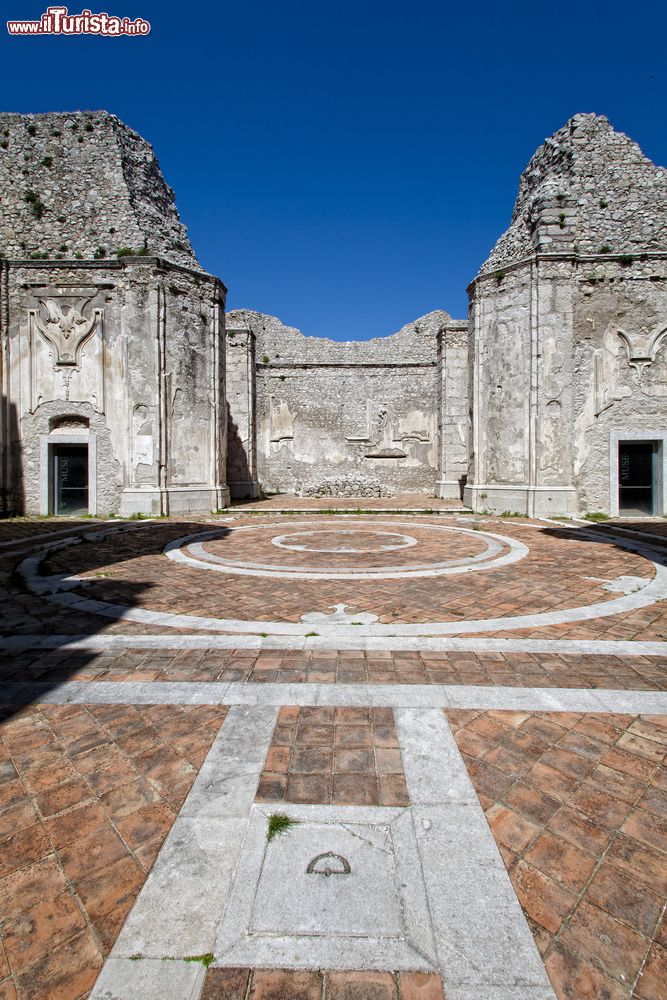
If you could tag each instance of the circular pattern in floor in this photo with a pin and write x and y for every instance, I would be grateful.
(349, 553)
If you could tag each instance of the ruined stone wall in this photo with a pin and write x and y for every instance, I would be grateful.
(452, 408)
(588, 190)
(573, 288)
(241, 425)
(356, 412)
(619, 364)
(131, 355)
(112, 335)
(83, 185)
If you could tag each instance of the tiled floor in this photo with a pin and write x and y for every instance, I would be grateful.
(578, 807)
(87, 795)
(342, 756)
(343, 667)
(577, 803)
(281, 984)
(130, 569)
(403, 501)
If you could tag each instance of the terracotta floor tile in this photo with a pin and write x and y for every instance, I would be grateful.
(285, 984)
(633, 743)
(54, 800)
(388, 760)
(308, 788)
(533, 804)
(510, 828)
(7, 990)
(145, 823)
(17, 817)
(615, 783)
(313, 760)
(107, 925)
(105, 768)
(420, 986)
(575, 979)
(393, 790)
(652, 984)
(355, 789)
(127, 799)
(272, 787)
(355, 985)
(76, 823)
(626, 900)
(225, 984)
(628, 763)
(38, 929)
(89, 853)
(542, 899)
(648, 828)
(639, 862)
(68, 970)
(19, 849)
(580, 831)
(357, 759)
(654, 800)
(101, 890)
(561, 861)
(40, 880)
(614, 947)
(278, 759)
(605, 810)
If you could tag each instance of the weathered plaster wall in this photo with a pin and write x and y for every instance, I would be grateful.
(84, 185)
(573, 287)
(241, 426)
(620, 365)
(148, 380)
(331, 409)
(452, 409)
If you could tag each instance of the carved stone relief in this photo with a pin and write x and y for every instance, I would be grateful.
(281, 421)
(62, 322)
(384, 448)
(642, 347)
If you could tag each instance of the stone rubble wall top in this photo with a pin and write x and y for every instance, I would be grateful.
(82, 185)
(414, 343)
(589, 190)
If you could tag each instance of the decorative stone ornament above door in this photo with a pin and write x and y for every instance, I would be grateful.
(62, 323)
(642, 347)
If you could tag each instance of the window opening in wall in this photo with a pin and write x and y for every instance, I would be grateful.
(637, 467)
(70, 479)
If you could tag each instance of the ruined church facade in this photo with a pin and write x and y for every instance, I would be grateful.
(127, 389)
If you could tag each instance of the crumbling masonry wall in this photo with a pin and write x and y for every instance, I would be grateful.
(112, 336)
(568, 317)
(83, 185)
(338, 418)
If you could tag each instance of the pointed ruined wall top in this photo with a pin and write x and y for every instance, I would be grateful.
(588, 189)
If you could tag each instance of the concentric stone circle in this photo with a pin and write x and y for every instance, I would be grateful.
(499, 550)
(288, 541)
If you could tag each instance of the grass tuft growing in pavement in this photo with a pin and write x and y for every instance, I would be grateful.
(205, 960)
(278, 823)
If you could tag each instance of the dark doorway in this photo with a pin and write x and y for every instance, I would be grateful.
(635, 477)
(70, 479)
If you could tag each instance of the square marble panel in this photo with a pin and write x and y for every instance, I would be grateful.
(374, 917)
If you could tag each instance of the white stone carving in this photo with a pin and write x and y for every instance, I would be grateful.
(339, 616)
(642, 348)
(65, 329)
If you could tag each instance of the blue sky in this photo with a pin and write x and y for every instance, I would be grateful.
(348, 166)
